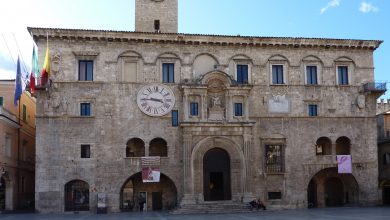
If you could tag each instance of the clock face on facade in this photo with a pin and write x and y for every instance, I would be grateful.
(155, 100)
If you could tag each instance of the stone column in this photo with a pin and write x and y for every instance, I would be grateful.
(204, 107)
(247, 150)
(229, 106)
(246, 108)
(188, 197)
(185, 101)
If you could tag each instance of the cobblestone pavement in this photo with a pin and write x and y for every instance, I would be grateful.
(355, 213)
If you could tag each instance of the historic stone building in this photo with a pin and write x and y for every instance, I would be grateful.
(17, 149)
(232, 118)
(383, 120)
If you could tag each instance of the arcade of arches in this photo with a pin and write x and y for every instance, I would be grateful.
(135, 147)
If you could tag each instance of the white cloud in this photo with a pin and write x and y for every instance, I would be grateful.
(7, 74)
(367, 7)
(331, 4)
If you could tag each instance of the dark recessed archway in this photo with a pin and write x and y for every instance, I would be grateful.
(323, 146)
(328, 188)
(157, 196)
(216, 175)
(158, 147)
(135, 147)
(77, 196)
(343, 146)
(2, 193)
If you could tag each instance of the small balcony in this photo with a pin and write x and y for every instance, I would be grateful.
(41, 83)
(375, 88)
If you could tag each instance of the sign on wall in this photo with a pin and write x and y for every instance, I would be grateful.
(344, 163)
(150, 169)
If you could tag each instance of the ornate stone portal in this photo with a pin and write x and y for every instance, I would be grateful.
(216, 92)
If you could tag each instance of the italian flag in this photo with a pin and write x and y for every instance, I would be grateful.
(45, 68)
(34, 70)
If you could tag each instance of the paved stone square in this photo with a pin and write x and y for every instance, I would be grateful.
(355, 213)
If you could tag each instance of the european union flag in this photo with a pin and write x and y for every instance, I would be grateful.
(18, 83)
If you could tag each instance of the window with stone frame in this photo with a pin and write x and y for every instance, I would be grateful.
(274, 158)
(85, 150)
(168, 72)
(1, 100)
(342, 75)
(85, 70)
(278, 74)
(242, 74)
(8, 145)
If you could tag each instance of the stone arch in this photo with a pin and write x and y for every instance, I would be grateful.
(237, 161)
(241, 56)
(135, 147)
(279, 58)
(76, 195)
(131, 53)
(312, 58)
(216, 75)
(323, 146)
(158, 147)
(326, 189)
(344, 59)
(343, 146)
(168, 55)
(204, 63)
(129, 198)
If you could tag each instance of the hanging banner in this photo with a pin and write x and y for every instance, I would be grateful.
(150, 169)
(344, 163)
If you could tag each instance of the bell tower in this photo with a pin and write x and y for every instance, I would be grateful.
(156, 16)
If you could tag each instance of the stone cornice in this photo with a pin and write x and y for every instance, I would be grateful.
(199, 39)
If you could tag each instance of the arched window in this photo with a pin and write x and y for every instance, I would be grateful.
(135, 147)
(77, 196)
(343, 146)
(158, 147)
(323, 146)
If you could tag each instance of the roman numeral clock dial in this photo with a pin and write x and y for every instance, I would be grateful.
(155, 100)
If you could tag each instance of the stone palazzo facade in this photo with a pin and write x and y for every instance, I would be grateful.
(246, 117)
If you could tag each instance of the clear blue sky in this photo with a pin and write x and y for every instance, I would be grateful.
(350, 19)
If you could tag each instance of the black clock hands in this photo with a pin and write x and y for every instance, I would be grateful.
(153, 99)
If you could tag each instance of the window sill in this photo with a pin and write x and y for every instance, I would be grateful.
(281, 84)
(79, 116)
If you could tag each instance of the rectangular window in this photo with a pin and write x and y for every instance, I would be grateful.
(237, 109)
(311, 75)
(8, 146)
(274, 195)
(85, 70)
(24, 112)
(242, 74)
(342, 72)
(175, 118)
(273, 158)
(386, 159)
(1, 101)
(85, 151)
(168, 72)
(277, 74)
(313, 110)
(85, 109)
(194, 108)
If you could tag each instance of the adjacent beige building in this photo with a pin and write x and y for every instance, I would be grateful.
(17, 149)
(229, 118)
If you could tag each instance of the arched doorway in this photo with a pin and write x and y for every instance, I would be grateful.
(2, 193)
(312, 194)
(216, 175)
(156, 196)
(328, 188)
(386, 193)
(77, 196)
(334, 192)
